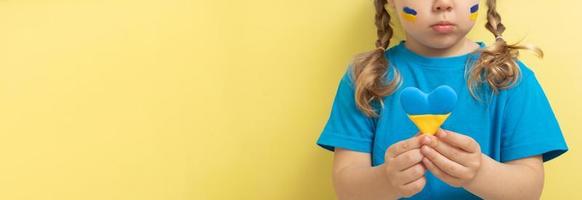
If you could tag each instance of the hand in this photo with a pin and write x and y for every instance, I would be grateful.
(403, 167)
(452, 157)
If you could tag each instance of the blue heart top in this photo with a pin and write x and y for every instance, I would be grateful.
(441, 100)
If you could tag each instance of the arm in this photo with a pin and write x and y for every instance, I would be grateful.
(355, 178)
(518, 179)
(401, 175)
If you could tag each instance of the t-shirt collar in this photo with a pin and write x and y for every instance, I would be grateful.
(441, 62)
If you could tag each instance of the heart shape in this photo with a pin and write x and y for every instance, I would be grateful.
(428, 111)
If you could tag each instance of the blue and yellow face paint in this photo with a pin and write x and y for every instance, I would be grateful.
(474, 12)
(428, 111)
(409, 14)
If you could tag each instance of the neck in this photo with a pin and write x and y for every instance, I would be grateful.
(462, 47)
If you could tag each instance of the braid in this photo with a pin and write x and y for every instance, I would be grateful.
(497, 65)
(494, 24)
(382, 20)
(371, 68)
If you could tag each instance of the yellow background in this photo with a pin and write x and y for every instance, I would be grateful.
(214, 99)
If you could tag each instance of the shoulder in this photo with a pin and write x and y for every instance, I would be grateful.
(526, 81)
(526, 74)
(348, 76)
(525, 71)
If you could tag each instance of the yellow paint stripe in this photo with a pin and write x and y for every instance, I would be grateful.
(473, 16)
(409, 17)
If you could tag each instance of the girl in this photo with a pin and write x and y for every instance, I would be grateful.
(492, 146)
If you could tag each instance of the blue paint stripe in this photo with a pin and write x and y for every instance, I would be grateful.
(474, 8)
(409, 11)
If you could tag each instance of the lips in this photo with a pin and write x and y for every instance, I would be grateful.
(443, 27)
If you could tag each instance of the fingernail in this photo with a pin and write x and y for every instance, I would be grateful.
(427, 140)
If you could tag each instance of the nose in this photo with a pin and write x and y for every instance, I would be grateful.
(442, 5)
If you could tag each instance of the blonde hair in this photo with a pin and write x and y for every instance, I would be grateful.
(496, 66)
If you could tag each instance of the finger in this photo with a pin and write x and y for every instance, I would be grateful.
(414, 187)
(438, 172)
(408, 159)
(451, 168)
(430, 140)
(411, 174)
(403, 146)
(458, 140)
(453, 153)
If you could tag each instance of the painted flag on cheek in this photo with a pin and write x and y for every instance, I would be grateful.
(409, 14)
(474, 12)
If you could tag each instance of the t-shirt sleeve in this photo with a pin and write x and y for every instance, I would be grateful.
(347, 127)
(530, 127)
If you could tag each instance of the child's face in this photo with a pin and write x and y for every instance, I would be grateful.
(418, 17)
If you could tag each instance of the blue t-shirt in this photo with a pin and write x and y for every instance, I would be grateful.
(516, 123)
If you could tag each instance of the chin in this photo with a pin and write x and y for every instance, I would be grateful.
(442, 42)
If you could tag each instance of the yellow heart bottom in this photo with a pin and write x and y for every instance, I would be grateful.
(428, 123)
